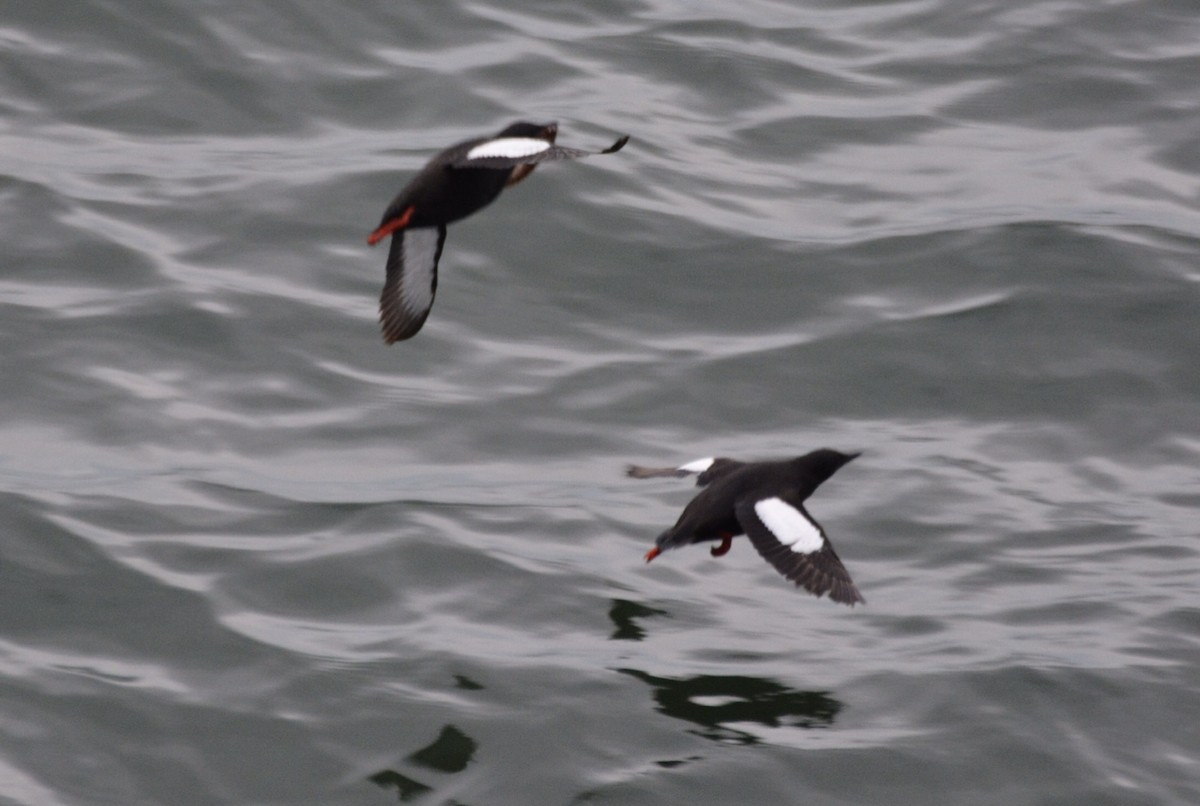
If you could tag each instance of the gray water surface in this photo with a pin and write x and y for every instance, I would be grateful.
(249, 554)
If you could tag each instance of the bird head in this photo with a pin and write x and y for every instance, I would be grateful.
(824, 462)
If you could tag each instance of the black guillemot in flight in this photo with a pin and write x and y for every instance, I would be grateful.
(458, 181)
(764, 501)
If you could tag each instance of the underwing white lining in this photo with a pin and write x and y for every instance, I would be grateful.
(508, 147)
(789, 525)
(698, 466)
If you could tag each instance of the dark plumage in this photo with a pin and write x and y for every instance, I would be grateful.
(454, 184)
(764, 501)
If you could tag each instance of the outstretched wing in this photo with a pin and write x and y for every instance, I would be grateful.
(708, 469)
(509, 152)
(411, 281)
(789, 539)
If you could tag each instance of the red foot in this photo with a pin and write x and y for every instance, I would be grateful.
(390, 227)
(723, 549)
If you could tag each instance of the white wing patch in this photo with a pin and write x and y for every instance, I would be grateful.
(509, 148)
(698, 466)
(420, 252)
(789, 525)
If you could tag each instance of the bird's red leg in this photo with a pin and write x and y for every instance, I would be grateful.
(400, 222)
(723, 549)
(519, 173)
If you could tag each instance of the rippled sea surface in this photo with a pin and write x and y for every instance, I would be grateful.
(251, 555)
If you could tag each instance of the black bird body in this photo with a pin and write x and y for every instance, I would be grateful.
(765, 501)
(442, 194)
(456, 182)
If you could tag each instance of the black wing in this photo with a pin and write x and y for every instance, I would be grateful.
(411, 281)
(789, 539)
(551, 153)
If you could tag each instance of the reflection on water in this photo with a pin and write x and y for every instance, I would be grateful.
(450, 752)
(715, 702)
(623, 612)
(464, 682)
(245, 548)
(407, 788)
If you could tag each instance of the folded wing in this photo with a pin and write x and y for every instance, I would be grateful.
(708, 469)
(509, 152)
